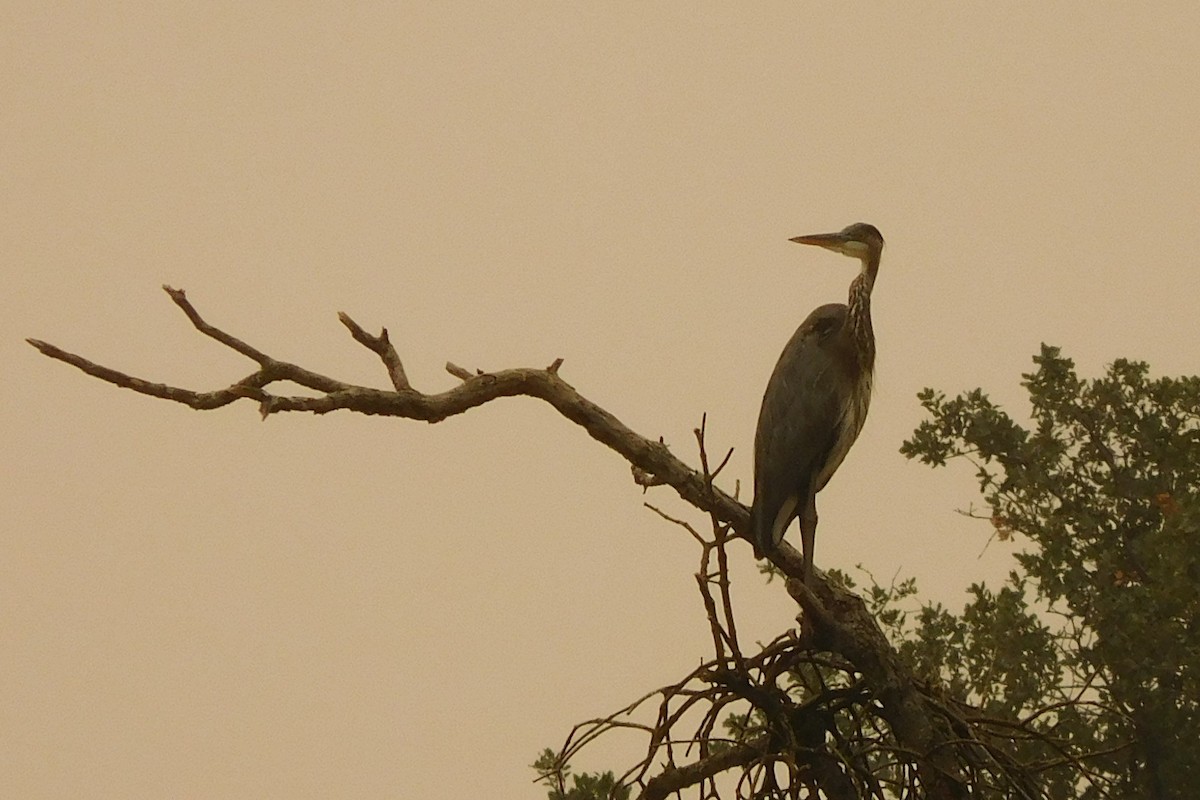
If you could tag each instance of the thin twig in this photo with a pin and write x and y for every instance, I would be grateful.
(381, 346)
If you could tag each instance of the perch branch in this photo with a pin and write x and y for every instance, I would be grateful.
(841, 621)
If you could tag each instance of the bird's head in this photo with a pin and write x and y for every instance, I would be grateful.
(860, 240)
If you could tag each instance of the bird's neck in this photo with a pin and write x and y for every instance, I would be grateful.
(860, 312)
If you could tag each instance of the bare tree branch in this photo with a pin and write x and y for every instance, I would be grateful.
(674, 779)
(250, 386)
(788, 726)
(652, 458)
(383, 348)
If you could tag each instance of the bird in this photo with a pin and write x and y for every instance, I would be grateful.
(816, 401)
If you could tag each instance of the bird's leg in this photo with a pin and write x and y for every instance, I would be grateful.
(808, 534)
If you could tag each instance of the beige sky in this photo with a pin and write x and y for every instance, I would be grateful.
(206, 605)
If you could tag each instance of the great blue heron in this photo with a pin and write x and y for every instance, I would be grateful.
(816, 401)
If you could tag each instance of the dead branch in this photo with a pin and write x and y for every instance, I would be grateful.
(780, 730)
(650, 457)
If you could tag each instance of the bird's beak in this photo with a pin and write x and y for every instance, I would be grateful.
(830, 241)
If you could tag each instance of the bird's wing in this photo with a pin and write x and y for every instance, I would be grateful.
(798, 424)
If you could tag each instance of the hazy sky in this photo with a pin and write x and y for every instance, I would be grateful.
(207, 605)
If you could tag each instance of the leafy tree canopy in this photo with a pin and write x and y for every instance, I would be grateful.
(1102, 488)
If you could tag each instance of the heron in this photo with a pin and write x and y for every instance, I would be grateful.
(816, 401)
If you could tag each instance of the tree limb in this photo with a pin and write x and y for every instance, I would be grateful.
(674, 779)
(650, 457)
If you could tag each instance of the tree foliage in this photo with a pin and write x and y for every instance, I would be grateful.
(584, 786)
(1101, 489)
